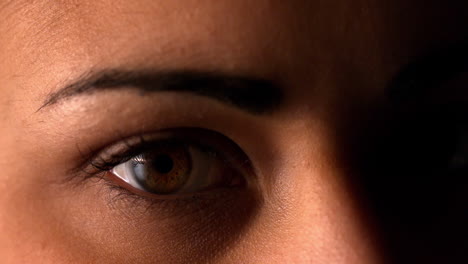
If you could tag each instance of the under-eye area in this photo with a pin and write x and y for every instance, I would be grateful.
(186, 183)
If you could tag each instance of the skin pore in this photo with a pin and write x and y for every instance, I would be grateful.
(332, 62)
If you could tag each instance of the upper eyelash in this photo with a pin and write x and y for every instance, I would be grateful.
(105, 161)
(95, 168)
(96, 165)
(102, 163)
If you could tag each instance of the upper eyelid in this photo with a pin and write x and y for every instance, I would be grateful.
(135, 145)
(95, 157)
(126, 148)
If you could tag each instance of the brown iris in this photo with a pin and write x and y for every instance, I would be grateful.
(165, 170)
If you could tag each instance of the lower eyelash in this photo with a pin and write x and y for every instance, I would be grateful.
(119, 195)
(186, 205)
(96, 168)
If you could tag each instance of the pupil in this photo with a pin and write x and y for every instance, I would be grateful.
(163, 164)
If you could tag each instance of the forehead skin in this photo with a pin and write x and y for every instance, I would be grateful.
(56, 40)
(328, 53)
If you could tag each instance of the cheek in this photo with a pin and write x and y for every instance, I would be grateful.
(94, 222)
(29, 229)
(311, 207)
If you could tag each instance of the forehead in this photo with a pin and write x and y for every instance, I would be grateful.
(222, 27)
(172, 31)
(50, 40)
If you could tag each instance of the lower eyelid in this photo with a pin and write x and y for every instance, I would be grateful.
(139, 201)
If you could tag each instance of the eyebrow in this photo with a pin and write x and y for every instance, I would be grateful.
(428, 73)
(253, 95)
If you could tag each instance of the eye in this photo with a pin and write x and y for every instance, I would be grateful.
(459, 160)
(175, 162)
(415, 172)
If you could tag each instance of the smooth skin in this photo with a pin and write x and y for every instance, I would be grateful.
(333, 60)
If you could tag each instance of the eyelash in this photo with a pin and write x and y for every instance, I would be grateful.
(106, 160)
(98, 166)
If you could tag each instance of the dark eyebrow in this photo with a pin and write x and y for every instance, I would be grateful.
(428, 73)
(254, 95)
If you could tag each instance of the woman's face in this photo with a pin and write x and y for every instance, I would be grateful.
(229, 131)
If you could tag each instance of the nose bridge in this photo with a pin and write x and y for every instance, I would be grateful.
(336, 224)
(313, 214)
(315, 221)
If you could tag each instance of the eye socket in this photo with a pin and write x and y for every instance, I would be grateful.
(417, 166)
(176, 162)
(459, 160)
